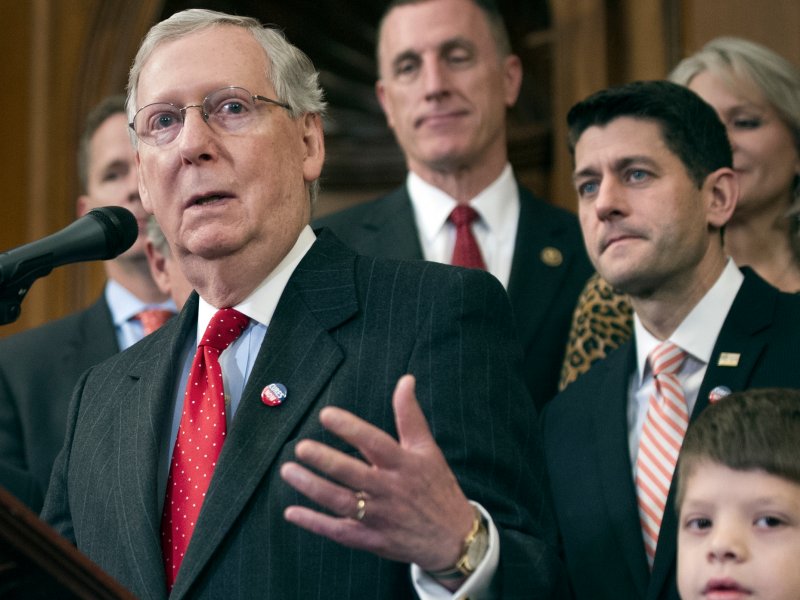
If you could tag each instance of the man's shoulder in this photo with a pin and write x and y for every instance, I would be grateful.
(592, 386)
(353, 215)
(435, 274)
(38, 339)
(544, 213)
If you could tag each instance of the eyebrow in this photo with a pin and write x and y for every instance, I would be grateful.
(619, 165)
(114, 165)
(443, 48)
(404, 56)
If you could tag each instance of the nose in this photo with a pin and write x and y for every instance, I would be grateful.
(434, 77)
(610, 200)
(196, 139)
(727, 543)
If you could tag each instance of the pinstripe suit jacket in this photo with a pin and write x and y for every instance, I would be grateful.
(543, 294)
(588, 458)
(38, 370)
(346, 328)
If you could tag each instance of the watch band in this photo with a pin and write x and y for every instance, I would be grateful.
(463, 567)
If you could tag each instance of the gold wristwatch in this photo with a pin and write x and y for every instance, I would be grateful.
(473, 549)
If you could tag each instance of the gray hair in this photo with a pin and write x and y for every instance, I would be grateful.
(777, 79)
(289, 70)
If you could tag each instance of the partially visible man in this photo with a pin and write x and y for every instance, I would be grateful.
(164, 268)
(174, 474)
(447, 78)
(655, 188)
(39, 367)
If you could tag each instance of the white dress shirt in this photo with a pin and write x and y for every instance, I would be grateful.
(237, 362)
(495, 231)
(696, 335)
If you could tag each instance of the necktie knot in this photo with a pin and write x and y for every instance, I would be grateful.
(153, 318)
(666, 359)
(463, 215)
(466, 252)
(225, 326)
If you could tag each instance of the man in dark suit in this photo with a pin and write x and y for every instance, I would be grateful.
(447, 77)
(39, 368)
(655, 186)
(323, 336)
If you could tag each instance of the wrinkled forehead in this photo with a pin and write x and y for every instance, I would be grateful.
(621, 138)
(429, 25)
(186, 69)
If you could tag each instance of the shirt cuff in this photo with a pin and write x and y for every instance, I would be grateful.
(477, 586)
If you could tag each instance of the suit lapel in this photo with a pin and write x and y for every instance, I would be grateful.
(298, 352)
(93, 341)
(145, 399)
(391, 230)
(613, 456)
(750, 316)
(533, 283)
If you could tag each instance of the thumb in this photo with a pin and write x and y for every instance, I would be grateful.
(412, 427)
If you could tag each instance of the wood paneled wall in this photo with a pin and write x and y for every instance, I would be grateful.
(61, 56)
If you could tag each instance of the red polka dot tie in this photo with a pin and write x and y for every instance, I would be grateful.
(466, 252)
(200, 436)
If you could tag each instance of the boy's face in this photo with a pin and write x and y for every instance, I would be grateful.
(739, 535)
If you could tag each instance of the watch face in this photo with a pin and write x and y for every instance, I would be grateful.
(477, 549)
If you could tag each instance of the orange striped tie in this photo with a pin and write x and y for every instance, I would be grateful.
(662, 436)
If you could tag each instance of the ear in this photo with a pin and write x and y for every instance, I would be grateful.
(144, 194)
(156, 262)
(512, 77)
(380, 92)
(314, 142)
(721, 194)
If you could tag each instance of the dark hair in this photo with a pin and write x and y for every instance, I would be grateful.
(690, 128)
(496, 24)
(757, 429)
(96, 117)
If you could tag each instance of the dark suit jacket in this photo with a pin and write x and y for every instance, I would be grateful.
(542, 296)
(38, 370)
(345, 329)
(586, 446)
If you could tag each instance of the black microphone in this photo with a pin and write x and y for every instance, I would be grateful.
(100, 234)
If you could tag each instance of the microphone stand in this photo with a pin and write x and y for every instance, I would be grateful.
(13, 290)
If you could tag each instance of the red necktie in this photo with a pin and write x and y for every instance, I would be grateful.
(466, 252)
(153, 318)
(200, 436)
(662, 436)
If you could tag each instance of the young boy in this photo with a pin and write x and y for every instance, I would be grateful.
(738, 499)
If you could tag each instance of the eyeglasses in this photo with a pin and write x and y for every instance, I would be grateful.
(227, 110)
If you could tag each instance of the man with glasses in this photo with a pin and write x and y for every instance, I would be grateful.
(39, 368)
(223, 456)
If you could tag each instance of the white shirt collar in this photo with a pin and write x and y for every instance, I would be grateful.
(494, 204)
(261, 303)
(124, 305)
(699, 331)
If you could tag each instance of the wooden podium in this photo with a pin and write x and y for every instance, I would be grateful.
(37, 563)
